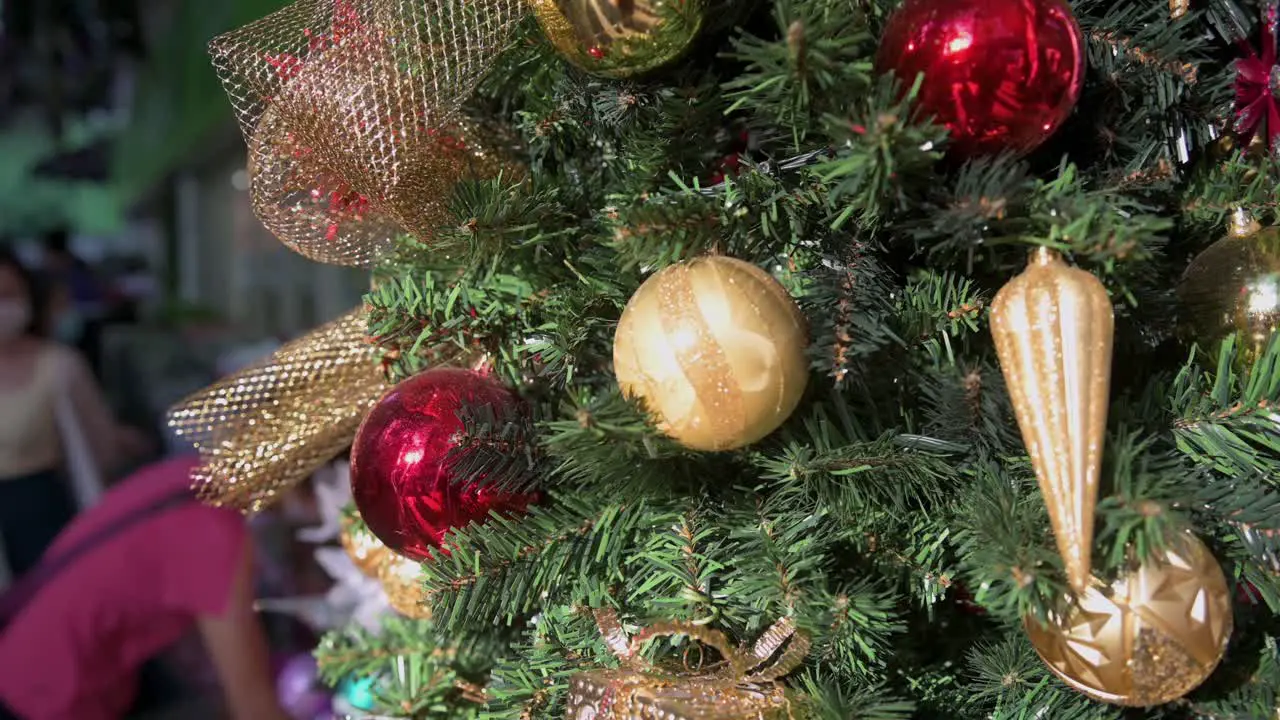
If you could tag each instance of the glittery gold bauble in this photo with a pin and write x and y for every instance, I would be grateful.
(401, 580)
(1054, 326)
(1233, 288)
(621, 38)
(715, 348)
(366, 551)
(1149, 638)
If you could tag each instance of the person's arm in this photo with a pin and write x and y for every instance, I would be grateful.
(91, 409)
(111, 443)
(238, 648)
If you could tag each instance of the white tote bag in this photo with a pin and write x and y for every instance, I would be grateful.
(81, 465)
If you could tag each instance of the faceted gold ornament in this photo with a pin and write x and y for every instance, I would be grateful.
(1233, 288)
(715, 348)
(401, 580)
(1150, 637)
(1053, 327)
(621, 38)
(366, 551)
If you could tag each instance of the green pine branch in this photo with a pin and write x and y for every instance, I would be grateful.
(819, 55)
(567, 551)
(1010, 682)
(1226, 418)
(417, 672)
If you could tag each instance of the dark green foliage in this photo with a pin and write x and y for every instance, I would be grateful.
(895, 517)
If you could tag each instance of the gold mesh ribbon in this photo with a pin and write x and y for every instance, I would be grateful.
(743, 684)
(270, 426)
(351, 111)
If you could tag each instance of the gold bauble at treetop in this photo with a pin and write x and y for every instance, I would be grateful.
(621, 38)
(1233, 288)
(1148, 638)
(715, 348)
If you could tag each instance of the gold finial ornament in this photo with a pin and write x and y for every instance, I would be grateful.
(1053, 327)
(1179, 8)
(1148, 638)
(1233, 288)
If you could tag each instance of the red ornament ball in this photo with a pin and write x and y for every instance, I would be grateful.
(402, 475)
(997, 73)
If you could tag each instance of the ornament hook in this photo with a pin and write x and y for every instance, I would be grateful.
(1243, 224)
(1043, 256)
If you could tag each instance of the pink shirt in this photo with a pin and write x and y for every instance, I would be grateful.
(74, 651)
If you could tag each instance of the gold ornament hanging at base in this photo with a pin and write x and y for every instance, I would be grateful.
(1150, 637)
(621, 38)
(744, 685)
(1233, 288)
(1054, 327)
(715, 347)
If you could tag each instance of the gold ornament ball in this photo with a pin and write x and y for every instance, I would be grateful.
(1233, 288)
(715, 348)
(366, 551)
(621, 38)
(401, 580)
(1149, 638)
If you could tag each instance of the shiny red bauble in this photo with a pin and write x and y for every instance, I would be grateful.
(999, 74)
(402, 473)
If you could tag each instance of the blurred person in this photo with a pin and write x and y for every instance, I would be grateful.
(65, 267)
(77, 299)
(36, 378)
(127, 580)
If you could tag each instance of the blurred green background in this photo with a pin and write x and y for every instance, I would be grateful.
(175, 106)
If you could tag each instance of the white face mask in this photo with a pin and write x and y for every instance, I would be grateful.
(15, 316)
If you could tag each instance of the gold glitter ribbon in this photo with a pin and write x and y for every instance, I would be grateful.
(351, 111)
(744, 679)
(268, 427)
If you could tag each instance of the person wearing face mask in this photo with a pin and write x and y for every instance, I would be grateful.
(37, 377)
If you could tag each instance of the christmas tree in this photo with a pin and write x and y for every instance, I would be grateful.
(800, 358)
